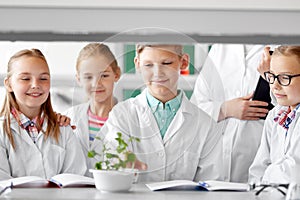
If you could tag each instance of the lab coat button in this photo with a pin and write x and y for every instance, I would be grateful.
(161, 154)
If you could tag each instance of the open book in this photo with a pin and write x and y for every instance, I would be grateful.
(60, 180)
(206, 185)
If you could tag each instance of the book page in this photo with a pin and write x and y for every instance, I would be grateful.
(26, 181)
(226, 186)
(170, 184)
(68, 180)
(209, 185)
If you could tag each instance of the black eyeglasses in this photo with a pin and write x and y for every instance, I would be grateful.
(279, 187)
(6, 189)
(283, 79)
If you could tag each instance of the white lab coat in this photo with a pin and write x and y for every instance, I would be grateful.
(191, 148)
(45, 158)
(227, 74)
(79, 117)
(277, 154)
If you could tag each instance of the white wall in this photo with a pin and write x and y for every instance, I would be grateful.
(221, 18)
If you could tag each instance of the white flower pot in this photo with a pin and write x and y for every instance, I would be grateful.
(112, 181)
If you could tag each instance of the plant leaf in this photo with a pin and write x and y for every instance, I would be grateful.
(98, 165)
(131, 157)
(113, 160)
(116, 166)
(91, 154)
(111, 155)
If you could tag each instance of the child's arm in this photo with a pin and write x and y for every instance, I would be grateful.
(74, 161)
(280, 169)
(262, 159)
(64, 120)
(4, 166)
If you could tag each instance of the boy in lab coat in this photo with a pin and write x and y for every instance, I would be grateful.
(177, 139)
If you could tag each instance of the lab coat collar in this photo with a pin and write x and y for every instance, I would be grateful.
(290, 134)
(22, 133)
(141, 104)
(185, 110)
(142, 101)
(155, 103)
(292, 127)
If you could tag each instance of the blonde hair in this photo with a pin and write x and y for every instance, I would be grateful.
(96, 49)
(10, 101)
(178, 48)
(288, 51)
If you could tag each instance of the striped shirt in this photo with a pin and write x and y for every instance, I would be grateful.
(95, 124)
(29, 125)
(285, 117)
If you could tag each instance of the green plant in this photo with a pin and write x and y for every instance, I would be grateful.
(115, 159)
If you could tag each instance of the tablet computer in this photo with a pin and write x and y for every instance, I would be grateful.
(262, 93)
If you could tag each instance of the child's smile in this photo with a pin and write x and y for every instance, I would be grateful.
(286, 95)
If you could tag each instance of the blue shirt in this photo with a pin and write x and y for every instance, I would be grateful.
(164, 113)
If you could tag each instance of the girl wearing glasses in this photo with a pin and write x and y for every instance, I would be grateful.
(280, 144)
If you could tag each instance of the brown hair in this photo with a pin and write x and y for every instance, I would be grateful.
(288, 51)
(96, 49)
(10, 101)
(178, 48)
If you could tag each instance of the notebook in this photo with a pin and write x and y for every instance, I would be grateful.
(210, 185)
(59, 181)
